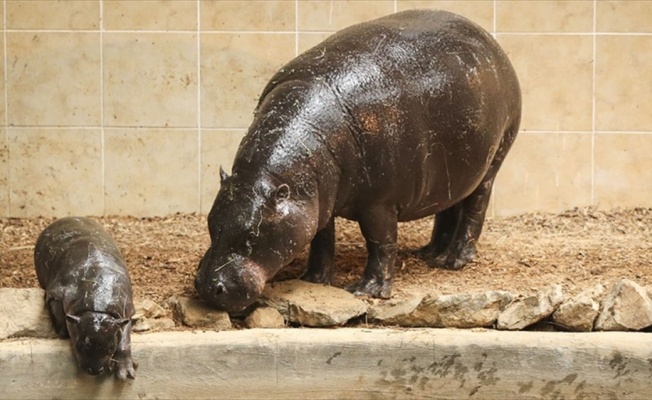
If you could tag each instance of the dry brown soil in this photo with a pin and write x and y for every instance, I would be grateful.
(577, 249)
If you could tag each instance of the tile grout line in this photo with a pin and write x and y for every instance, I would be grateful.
(242, 128)
(6, 100)
(199, 125)
(495, 4)
(593, 103)
(493, 186)
(102, 137)
(296, 28)
(319, 32)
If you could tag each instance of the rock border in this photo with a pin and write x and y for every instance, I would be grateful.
(626, 307)
(347, 363)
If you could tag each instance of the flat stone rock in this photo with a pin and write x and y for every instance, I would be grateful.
(196, 314)
(23, 314)
(394, 312)
(466, 310)
(153, 324)
(530, 309)
(311, 304)
(626, 307)
(265, 317)
(578, 313)
(148, 309)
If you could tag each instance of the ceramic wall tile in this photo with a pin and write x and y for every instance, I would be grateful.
(49, 14)
(545, 172)
(55, 172)
(234, 71)
(165, 15)
(334, 15)
(309, 40)
(623, 83)
(4, 174)
(479, 11)
(218, 148)
(53, 79)
(248, 15)
(624, 16)
(151, 172)
(150, 79)
(544, 16)
(622, 170)
(555, 74)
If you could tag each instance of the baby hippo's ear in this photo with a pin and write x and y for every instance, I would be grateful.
(72, 318)
(282, 193)
(123, 322)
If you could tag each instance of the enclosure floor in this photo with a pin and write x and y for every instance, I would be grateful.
(576, 249)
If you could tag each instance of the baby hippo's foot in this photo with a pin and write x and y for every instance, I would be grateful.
(371, 287)
(124, 367)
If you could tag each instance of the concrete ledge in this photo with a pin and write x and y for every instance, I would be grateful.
(346, 363)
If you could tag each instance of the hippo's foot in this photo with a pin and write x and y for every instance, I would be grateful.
(316, 277)
(454, 260)
(124, 367)
(428, 252)
(371, 287)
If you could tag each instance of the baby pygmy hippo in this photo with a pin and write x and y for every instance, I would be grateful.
(87, 293)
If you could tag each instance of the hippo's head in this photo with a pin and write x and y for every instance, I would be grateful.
(257, 225)
(95, 337)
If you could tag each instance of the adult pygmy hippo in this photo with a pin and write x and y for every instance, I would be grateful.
(390, 120)
(88, 293)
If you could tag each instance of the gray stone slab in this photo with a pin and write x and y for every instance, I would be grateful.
(346, 363)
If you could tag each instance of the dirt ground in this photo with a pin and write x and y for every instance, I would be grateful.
(577, 249)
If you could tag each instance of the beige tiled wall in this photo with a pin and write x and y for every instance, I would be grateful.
(130, 107)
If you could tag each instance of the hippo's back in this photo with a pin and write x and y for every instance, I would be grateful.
(427, 97)
(77, 258)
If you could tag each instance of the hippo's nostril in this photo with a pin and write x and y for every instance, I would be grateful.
(95, 372)
(219, 288)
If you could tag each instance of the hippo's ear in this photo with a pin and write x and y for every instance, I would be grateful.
(72, 318)
(223, 175)
(282, 193)
(124, 321)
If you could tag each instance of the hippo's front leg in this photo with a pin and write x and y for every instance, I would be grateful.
(57, 315)
(126, 367)
(379, 228)
(322, 254)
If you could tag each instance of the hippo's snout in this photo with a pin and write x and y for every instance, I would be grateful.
(232, 287)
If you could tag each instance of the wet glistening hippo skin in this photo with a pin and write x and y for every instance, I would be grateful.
(87, 293)
(391, 120)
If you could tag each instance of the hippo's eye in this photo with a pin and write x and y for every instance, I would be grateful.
(251, 239)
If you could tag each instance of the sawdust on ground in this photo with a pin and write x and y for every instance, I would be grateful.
(576, 249)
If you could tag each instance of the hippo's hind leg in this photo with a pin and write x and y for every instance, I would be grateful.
(442, 233)
(379, 228)
(471, 213)
(322, 254)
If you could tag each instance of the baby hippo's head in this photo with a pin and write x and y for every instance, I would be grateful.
(95, 337)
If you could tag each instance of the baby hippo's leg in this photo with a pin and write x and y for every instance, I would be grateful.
(125, 366)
